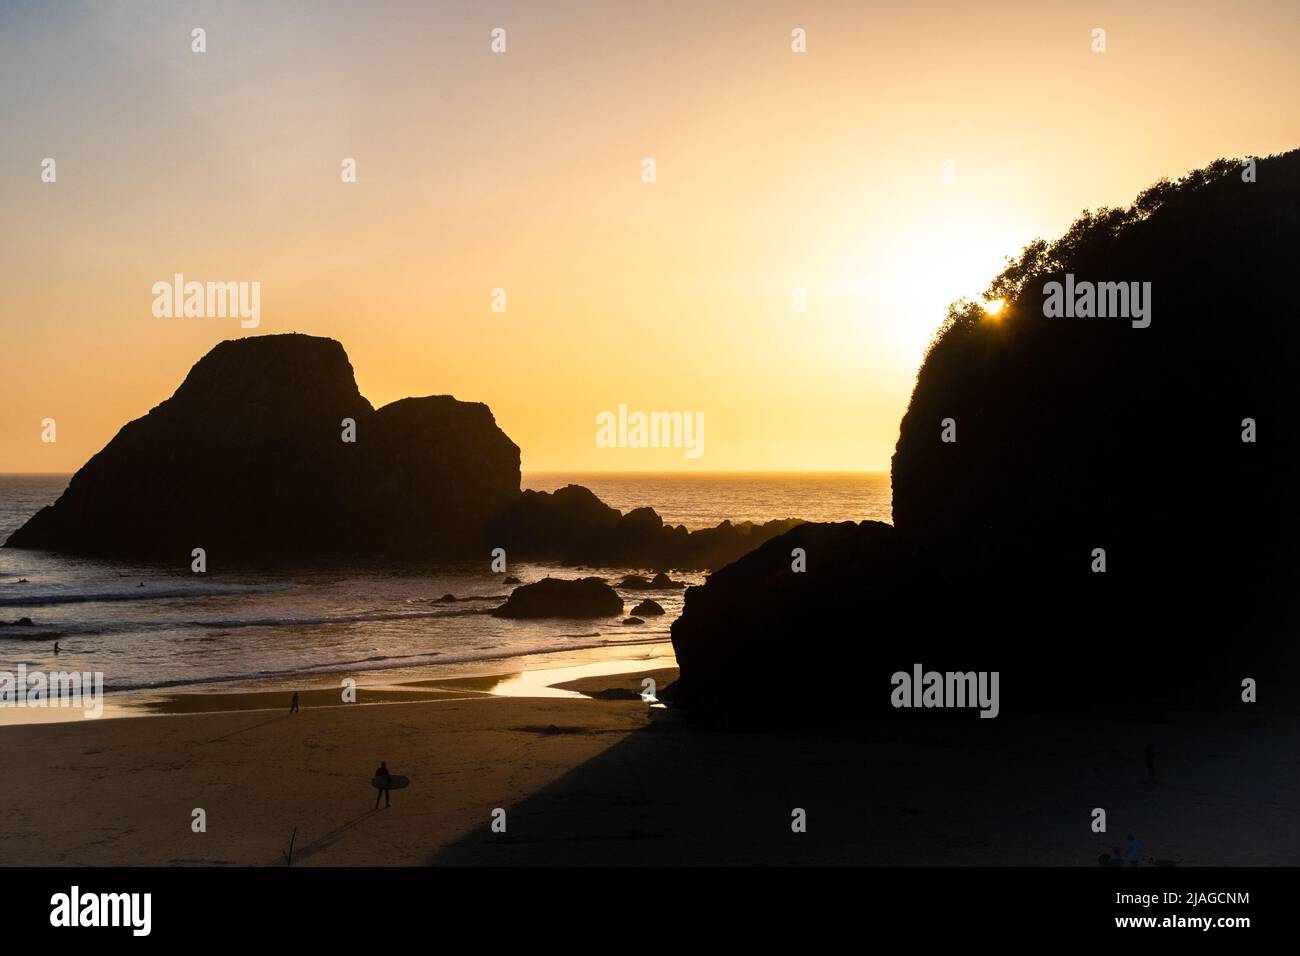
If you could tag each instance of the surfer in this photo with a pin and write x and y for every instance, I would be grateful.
(293, 704)
(56, 647)
(382, 778)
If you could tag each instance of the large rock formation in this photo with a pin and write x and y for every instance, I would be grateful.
(572, 525)
(247, 461)
(1073, 434)
(551, 524)
(761, 644)
(445, 467)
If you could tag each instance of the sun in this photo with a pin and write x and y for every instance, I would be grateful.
(993, 308)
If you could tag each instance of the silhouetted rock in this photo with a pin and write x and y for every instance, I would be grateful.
(554, 597)
(436, 471)
(755, 625)
(660, 582)
(648, 608)
(511, 579)
(575, 527)
(547, 524)
(1073, 434)
(246, 460)
(633, 620)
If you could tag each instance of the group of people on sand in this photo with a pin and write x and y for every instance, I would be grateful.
(381, 779)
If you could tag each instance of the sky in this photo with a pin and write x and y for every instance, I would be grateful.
(887, 171)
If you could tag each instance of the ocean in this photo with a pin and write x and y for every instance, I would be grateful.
(145, 627)
(703, 500)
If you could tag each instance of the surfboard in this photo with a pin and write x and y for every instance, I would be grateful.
(394, 782)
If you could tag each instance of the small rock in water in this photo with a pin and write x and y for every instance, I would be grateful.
(660, 582)
(633, 620)
(554, 597)
(648, 608)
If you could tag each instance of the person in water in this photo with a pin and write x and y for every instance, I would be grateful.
(382, 780)
(293, 704)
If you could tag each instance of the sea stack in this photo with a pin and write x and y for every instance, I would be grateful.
(268, 450)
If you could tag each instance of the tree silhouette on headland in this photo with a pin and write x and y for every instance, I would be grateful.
(1073, 434)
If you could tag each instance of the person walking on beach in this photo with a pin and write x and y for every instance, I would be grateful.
(293, 704)
(382, 779)
(56, 647)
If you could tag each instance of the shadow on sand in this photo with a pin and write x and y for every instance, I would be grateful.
(948, 791)
(243, 730)
(671, 794)
(303, 853)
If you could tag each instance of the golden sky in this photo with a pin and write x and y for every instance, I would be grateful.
(775, 171)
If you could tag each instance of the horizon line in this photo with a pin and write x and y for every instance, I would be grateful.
(721, 471)
(582, 471)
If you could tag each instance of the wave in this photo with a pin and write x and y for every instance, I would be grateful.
(30, 634)
(120, 628)
(333, 619)
(383, 662)
(116, 592)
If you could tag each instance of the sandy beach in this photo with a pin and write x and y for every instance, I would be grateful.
(606, 779)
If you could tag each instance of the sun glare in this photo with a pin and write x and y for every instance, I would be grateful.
(993, 308)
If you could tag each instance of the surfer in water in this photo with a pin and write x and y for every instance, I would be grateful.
(382, 778)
